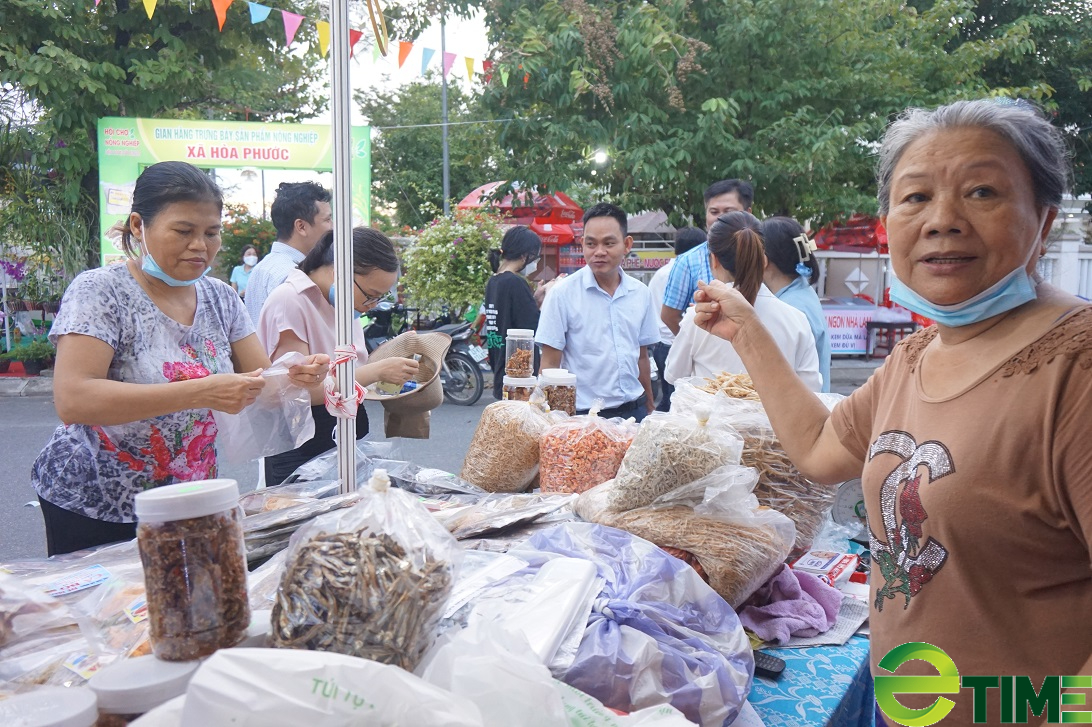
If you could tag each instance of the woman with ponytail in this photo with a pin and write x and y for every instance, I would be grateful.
(509, 300)
(299, 316)
(791, 270)
(737, 254)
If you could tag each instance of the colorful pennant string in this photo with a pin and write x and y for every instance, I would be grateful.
(323, 37)
(449, 60)
(220, 7)
(258, 13)
(291, 24)
(426, 56)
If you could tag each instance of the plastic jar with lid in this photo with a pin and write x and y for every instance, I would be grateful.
(519, 389)
(127, 689)
(50, 707)
(519, 353)
(559, 386)
(190, 538)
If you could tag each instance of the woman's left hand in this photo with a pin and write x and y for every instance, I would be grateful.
(309, 373)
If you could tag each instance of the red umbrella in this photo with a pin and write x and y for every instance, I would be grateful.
(552, 234)
(556, 207)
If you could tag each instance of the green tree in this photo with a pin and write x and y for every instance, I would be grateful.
(241, 230)
(791, 94)
(75, 62)
(407, 152)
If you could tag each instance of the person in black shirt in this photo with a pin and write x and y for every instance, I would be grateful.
(509, 300)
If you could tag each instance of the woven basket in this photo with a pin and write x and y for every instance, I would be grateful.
(407, 415)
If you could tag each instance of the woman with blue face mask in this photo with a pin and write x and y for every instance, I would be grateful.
(240, 276)
(299, 316)
(972, 439)
(146, 350)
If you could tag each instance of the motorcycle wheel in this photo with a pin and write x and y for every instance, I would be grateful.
(465, 383)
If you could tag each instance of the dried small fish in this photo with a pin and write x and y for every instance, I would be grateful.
(503, 455)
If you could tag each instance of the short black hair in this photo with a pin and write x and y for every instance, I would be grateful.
(743, 190)
(296, 201)
(687, 238)
(606, 209)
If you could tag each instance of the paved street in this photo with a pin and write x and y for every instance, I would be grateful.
(26, 423)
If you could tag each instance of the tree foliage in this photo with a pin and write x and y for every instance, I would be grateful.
(407, 174)
(791, 94)
(242, 230)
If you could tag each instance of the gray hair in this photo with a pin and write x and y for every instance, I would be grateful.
(1039, 143)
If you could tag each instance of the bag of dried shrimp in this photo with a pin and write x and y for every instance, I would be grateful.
(581, 452)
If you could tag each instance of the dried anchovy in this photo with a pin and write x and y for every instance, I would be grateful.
(561, 398)
(195, 579)
(359, 595)
(520, 364)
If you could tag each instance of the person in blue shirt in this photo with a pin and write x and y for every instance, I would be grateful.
(727, 195)
(791, 270)
(241, 274)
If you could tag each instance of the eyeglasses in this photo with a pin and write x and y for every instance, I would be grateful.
(369, 299)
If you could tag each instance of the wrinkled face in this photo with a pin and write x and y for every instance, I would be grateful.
(370, 288)
(605, 247)
(962, 215)
(722, 204)
(183, 238)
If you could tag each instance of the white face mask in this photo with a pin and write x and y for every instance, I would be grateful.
(250, 260)
(530, 268)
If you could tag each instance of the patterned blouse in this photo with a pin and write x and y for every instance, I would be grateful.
(96, 471)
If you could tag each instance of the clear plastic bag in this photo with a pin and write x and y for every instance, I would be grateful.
(324, 466)
(503, 456)
(114, 615)
(780, 485)
(738, 544)
(278, 421)
(671, 450)
(581, 452)
(369, 582)
(494, 513)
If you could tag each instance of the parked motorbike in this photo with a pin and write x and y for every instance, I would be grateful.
(461, 372)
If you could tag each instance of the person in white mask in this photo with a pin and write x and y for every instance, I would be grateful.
(147, 349)
(241, 274)
(509, 299)
(972, 439)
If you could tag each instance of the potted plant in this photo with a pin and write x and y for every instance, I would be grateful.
(35, 354)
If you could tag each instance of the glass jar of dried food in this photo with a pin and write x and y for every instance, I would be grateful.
(519, 353)
(51, 707)
(519, 389)
(190, 538)
(560, 388)
(127, 689)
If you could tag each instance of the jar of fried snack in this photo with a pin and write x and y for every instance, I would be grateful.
(559, 386)
(128, 688)
(519, 389)
(190, 538)
(519, 353)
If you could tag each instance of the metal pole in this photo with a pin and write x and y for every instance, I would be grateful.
(340, 99)
(443, 108)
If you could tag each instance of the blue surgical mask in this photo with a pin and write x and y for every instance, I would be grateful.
(151, 267)
(332, 296)
(1011, 291)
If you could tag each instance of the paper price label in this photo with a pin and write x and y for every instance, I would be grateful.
(86, 578)
(137, 611)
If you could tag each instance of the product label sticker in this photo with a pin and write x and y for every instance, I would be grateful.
(137, 611)
(78, 581)
(84, 665)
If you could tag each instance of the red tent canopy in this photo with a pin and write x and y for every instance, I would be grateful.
(860, 233)
(554, 208)
(552, 234)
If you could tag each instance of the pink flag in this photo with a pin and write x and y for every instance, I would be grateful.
(291, 25)
(449, 60)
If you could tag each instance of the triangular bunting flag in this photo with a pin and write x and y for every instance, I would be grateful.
(375, 53)
(504, 76)
(323, 37)
(291, 24)
(258, 13)
(149, 7)
(487, 68)
(97, 3)
(449, 60)
(426, 56)
(354, 37)
(470, 68)
(220, 6)
(404, 49)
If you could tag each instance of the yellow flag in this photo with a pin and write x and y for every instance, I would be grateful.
(470, 68)
(149, 7)
(323, 37)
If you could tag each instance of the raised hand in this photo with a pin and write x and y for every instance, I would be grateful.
(721, 310)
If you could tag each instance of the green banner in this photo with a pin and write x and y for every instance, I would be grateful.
(127, 146)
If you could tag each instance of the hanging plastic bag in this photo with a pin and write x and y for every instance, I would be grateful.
(671, 450)
(657, 634)
(279, 420)
(717, 520)
(503, 456)
(369, 581)
(581, 452)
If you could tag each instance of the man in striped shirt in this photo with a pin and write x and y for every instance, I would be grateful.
(302, 215)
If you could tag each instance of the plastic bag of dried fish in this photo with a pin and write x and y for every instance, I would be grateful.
(671, 450)
(583, 451)
(370, 581)
(503, 455)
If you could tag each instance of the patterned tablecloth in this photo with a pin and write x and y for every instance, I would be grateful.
(821, 686)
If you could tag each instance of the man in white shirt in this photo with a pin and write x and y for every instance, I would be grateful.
(599, 322)
(686, 239)
(302, 215)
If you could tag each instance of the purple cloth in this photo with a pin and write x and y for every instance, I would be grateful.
(791, 603)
